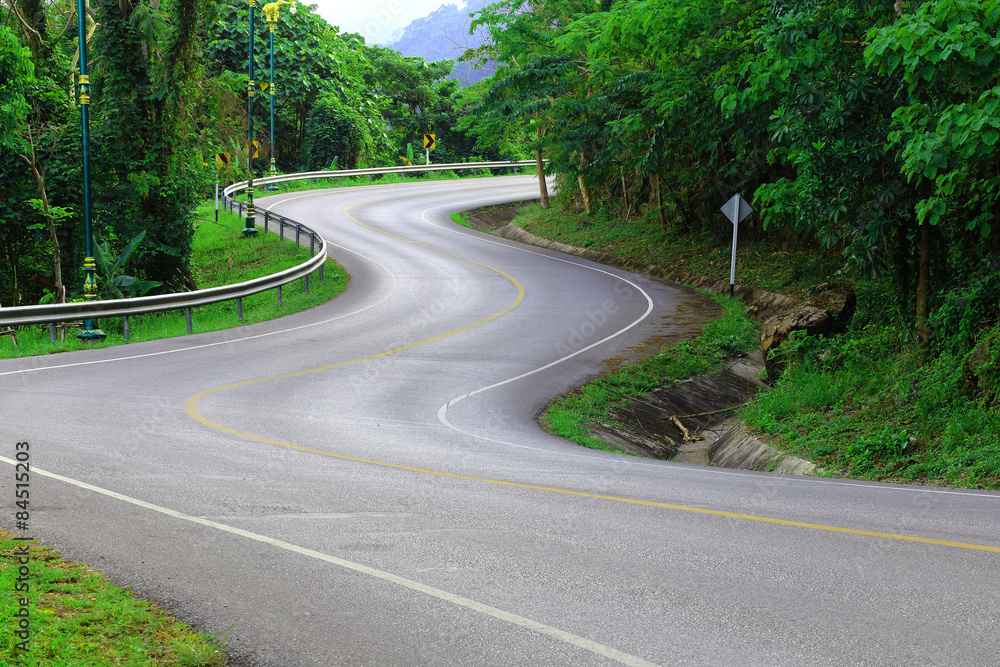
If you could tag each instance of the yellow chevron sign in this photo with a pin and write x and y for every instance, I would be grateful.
(430, 140)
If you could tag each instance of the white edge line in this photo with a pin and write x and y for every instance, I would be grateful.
(442, 413)
(479, 607)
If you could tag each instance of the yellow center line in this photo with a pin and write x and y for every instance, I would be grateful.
(191, 407)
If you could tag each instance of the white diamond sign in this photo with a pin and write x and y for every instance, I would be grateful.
(736, 209)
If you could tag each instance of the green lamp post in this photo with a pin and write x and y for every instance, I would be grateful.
(91, 330)
(250, 229)
(271, 15)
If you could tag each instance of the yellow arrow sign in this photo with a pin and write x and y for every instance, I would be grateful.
(430, 140)
(222, 160)
(256, 149)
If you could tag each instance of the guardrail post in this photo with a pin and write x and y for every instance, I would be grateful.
(298, 230)
(279, 293)
(267, 215)
(369, 179)
(321, 270)
(305, 284)
(338, 181)
(125, 327)
(312, 244)
(52, 331)
(239, 308)
(190, 323)
(281, 226)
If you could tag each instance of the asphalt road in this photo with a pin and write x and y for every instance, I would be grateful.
(365, 483)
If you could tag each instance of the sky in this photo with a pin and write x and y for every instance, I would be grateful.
(375, 20)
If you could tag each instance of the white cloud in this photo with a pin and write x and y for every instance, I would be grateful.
(376, 20)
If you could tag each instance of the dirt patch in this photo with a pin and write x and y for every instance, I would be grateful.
(672, 329)
(494, 218)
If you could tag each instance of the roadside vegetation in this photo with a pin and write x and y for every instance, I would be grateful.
(870, 403)
(220, 256)
(77, 617)
(789, 267)
(866, 136)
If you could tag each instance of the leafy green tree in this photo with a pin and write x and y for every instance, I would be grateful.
(825, 115)
(335, 134)
(39, 133)
(531, 77)
(948, 127)
(312, 60)
(147, 169)
(16, 71)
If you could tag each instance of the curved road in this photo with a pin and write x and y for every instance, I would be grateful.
(365, 483)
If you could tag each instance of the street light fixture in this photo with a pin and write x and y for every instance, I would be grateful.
(91, 330)
(271, 15)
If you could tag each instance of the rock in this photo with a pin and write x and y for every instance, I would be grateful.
(980, 370)
(826, 313)
(776, 330)
(839, 302)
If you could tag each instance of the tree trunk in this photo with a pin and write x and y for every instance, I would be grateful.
(655, 179)
(628, 209)
(923, 285)
(60, 295)
(584, 190)
(543, 188)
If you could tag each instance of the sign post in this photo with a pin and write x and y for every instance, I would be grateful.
(221, 162)
(736, 209)
(430, 140)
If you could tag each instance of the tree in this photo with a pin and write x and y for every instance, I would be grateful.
(41, 114)
(948, 128)
(335, 134)
(311, 60)
(147, 162)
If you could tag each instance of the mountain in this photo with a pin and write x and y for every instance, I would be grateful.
(443, 34)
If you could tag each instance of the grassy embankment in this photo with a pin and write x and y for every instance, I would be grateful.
(866, 404)
(77, 617)
(220, 256)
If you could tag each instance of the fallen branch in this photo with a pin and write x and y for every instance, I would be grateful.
(684, 432)
(707, 414)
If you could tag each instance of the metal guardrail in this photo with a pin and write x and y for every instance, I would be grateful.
(125, 308)
(377, 171)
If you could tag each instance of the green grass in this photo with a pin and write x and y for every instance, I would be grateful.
(571, 416)
(220, 256)
(77, 617)
(795, 271)
(462, 219)
(867, 405)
